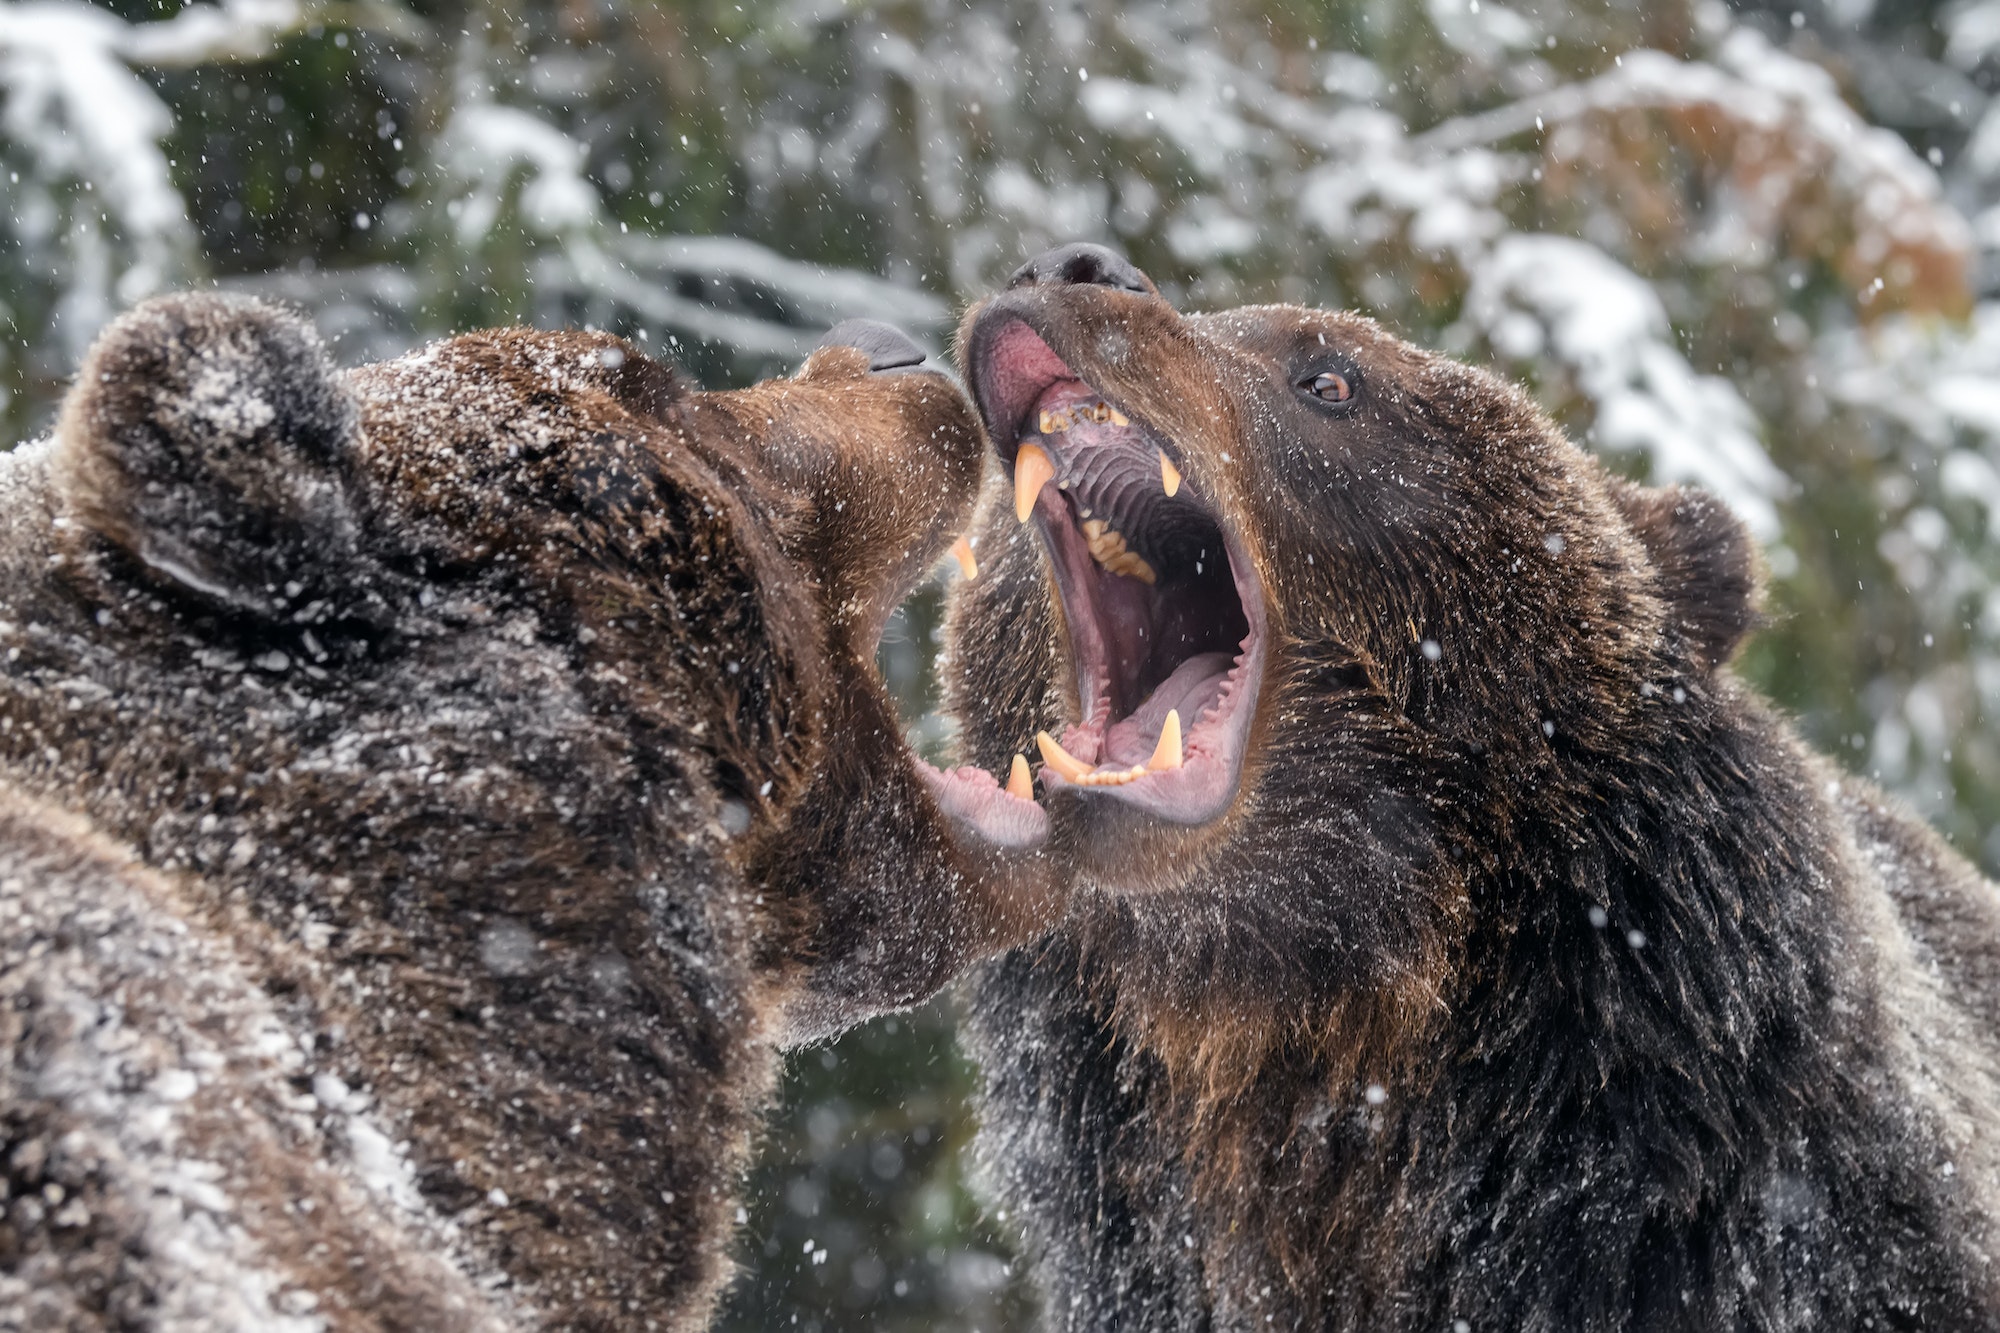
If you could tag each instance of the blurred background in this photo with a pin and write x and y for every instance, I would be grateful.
(1752, 247)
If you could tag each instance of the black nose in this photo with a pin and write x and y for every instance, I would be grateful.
(888, 347)
(1083, 263)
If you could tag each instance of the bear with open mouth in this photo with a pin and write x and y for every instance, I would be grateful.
(1458, 944)
(431, 793)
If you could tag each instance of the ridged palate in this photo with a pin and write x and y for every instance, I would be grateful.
(1113, 473)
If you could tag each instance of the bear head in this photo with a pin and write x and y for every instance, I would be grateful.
(1311, 624)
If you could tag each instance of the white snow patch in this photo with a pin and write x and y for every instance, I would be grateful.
(1568, 299)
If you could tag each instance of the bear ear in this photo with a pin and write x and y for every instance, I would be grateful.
(1709, 569)
(209, 438)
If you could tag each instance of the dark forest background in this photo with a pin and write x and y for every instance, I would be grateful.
(1751, 247)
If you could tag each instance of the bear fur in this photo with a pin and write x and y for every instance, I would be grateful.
(1535, 976)
(429, 795)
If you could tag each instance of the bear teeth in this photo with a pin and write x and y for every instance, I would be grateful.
(1032, 471)
(1020, 782)
(968, 564)
(1167, 754)
(1076, 772)
(1101, 413)
(1107, 548)
(1166, 757)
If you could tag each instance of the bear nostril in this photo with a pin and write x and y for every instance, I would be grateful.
(1083, 263)
(888, 347)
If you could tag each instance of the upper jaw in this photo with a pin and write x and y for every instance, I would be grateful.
(1165, 614)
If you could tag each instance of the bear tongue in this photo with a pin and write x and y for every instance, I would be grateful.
(1195, 687)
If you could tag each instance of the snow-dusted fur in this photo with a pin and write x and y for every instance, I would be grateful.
(1539, 979)
(427, 795)
(174, 1161)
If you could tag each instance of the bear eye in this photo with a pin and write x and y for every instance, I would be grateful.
(1329, 386)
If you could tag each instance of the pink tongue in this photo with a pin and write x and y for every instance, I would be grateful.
(1193, 689)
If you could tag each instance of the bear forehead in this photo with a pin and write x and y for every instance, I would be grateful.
(1289, 338)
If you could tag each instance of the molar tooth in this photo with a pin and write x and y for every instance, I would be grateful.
(1093, 529)
(1066, 765)
(1032, 470)
(1119, 418)
(961, 551)
(1046, 424)
(1167, 754)
(1020, 783)
(1132, 565)
(1170, 476)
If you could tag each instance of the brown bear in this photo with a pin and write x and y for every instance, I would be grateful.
(1459, 943)
(429, 794)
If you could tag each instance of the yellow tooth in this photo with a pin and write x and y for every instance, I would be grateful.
(1170, 476)
(1119, 418)
(1107, 547)
(1167, 754)
(961, 551)
(1032, 470)
(1066, 765)
(1131, 565)
(1020, 784)
(1046, 424)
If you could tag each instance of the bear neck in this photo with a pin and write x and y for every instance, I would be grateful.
(1649, 1001)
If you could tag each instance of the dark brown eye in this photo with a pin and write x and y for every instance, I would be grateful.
(1330, 386)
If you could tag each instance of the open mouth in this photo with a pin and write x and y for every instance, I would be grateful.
(1005, 815)
(1165, 618)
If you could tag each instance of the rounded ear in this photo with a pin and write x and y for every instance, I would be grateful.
(1709, 569)
(209, 438)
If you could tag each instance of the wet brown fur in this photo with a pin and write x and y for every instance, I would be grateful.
(508, 714)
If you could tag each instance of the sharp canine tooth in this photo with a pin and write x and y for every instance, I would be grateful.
(1066, 765)
(1020, 785)
(1167, 754)
(1032, 470)
(1170, 476)
(961, 551)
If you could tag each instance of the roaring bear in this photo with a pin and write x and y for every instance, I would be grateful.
(1459, 943)
(429, 794)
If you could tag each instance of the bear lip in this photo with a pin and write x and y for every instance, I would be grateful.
(1126, 678)
(974, 797)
